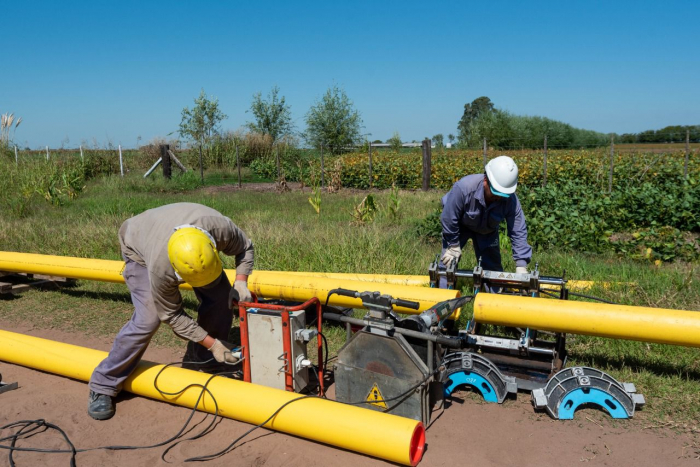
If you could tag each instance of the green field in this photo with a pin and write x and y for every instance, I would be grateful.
(289, 235)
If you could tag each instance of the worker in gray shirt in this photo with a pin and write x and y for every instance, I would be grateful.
(475, 207)
(163, 248)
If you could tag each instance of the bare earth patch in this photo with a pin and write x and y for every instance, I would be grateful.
(469, 432)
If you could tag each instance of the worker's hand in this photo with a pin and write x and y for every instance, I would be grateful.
(239, 293)
(521, 270)
(222, 352)
(452, 254)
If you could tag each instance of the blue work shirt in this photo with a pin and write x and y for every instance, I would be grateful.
(464, 207)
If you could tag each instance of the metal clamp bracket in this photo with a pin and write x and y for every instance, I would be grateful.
(574, 387)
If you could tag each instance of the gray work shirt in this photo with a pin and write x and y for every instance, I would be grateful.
(464, 207)
(144, 239)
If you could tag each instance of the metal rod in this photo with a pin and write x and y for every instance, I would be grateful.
(453, 343)
(546, 280)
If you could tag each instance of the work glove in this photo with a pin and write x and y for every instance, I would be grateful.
(221, 350)
(239, 293)
(521, 270)
(451, 254)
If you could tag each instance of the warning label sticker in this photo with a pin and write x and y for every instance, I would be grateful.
(375, 397)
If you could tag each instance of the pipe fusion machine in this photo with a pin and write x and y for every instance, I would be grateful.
(410, 365)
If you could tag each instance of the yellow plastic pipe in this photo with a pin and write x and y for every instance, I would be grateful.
(381, 278)
(385, 436)
(301, 288)
(278, 285)
(637, 323)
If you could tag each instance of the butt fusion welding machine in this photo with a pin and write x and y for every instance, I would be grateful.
(409, 366)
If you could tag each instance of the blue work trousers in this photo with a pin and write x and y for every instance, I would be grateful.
(486, 246)
(214, 316)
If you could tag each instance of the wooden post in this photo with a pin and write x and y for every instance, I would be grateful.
(371, 179)
(544, 171)
(484, 152)
(279, 172)
(238, 163)
(16, 157)
(121, 162)
(322, 170)
(687, 152)
(47, 153)
(201, 163)
(427, 153)
(81, 153)
(165, 157)
(612, 154)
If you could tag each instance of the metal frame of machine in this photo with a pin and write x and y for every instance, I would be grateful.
(497, 365)
(285, 358)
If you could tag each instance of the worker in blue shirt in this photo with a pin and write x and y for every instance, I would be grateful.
(475, 207)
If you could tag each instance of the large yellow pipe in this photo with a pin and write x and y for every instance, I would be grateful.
(377, 434)
(278, 285)
(381, 278)
(659, 325)
(301, 288)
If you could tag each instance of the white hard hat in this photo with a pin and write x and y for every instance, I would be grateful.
(502, 174)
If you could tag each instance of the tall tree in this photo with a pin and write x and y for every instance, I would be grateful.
(478, 107)
(201, 121)
(272, 116)
(438, 140)
(451, 137)
(333, 122)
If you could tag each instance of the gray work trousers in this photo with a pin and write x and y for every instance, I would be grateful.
(214, 316)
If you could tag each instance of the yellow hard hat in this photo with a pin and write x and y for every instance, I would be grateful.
(193, 255)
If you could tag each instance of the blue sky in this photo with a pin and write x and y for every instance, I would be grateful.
(114, 71)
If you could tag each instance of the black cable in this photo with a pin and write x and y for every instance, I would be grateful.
(229, 448)
(591, 297)
(325, 348)
(33, 425)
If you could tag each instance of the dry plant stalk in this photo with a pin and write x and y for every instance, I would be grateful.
(334, 175)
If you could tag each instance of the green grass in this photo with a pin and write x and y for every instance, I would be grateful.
(289, 235)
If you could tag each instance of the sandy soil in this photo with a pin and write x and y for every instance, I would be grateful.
(469, 432)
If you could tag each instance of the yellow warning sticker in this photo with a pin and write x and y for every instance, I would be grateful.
(375, 397)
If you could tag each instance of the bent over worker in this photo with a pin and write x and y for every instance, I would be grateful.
(163, 248)
(474, 209)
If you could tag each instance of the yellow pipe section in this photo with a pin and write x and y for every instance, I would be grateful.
(381, 278)
(385, 436)
(301, 288)
(637, 323)
(278, 285)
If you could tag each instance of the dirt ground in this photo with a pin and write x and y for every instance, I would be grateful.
(469, 432)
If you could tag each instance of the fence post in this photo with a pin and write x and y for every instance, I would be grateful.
(612, 154)
(279, 172)
(544, 174)
(322, 170)
(121, 162)
(238, 163)
(47, 153)
(16, 157)
(427, 153)
(165, 159)
(484, 152)
(371, 179)
(687, 152)
(81, 154)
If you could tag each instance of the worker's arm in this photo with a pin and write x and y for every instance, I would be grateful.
(232, 241)
(452, 213)
(168, 303)
(517, 231)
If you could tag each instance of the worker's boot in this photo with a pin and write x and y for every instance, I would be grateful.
(100, 406)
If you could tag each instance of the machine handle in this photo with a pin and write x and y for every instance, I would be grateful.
(407, 303)
(345, 292)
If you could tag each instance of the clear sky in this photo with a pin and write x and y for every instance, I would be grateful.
(115, 71)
